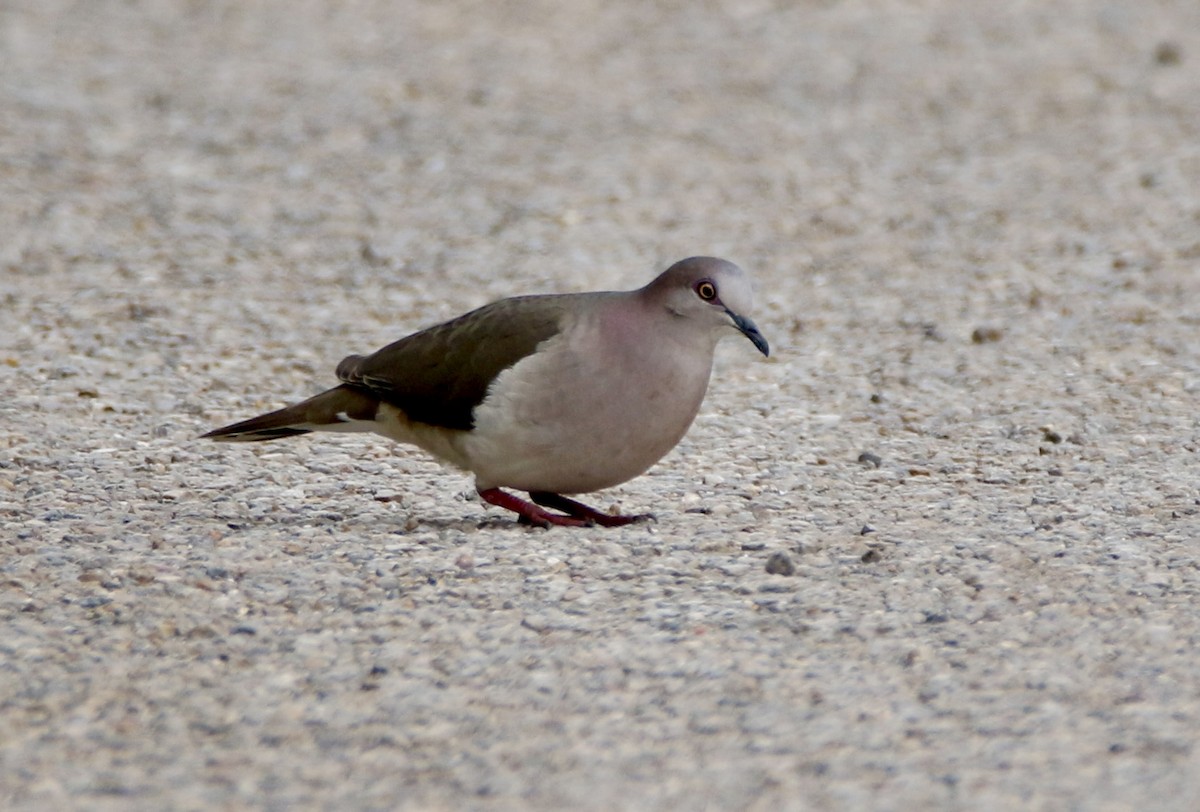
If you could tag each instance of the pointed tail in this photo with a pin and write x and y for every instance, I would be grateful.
(337, 409)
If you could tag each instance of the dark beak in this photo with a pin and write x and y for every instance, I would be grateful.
(750, 331)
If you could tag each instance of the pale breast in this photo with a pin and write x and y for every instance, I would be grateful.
(593, 408)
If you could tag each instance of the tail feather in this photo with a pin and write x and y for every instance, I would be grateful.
(336, 409)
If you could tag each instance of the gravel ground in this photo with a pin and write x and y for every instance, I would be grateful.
(939, 552)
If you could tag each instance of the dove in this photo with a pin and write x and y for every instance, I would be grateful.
(554, 394)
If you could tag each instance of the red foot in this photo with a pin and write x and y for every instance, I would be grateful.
(582, 511)
(529, 513)
(577, 514)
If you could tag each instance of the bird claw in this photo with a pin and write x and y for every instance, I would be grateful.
(578, 510)
(573, 514)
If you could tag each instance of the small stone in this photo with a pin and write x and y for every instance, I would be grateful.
(986, 335)
(1168, 53)
(780, 564)
(1050, 435)
(536, 623)
(870, 460)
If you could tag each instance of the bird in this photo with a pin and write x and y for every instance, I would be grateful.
(551, 394)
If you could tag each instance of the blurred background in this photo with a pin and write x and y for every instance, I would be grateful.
(975, 228)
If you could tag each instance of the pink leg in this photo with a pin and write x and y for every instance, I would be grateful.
(582, 511)
(529, 512)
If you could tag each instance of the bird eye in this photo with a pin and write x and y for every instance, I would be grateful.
(706, 290)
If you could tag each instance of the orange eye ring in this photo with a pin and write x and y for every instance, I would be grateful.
(706, 290)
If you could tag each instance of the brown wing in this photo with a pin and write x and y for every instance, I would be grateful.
(439, 375)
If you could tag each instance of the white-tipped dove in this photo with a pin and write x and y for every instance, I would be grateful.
(554, 394)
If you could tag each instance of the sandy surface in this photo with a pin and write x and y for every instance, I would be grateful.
(976, 233)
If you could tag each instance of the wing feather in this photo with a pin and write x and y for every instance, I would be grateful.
(439, 375)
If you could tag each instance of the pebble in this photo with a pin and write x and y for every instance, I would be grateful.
(779, 563)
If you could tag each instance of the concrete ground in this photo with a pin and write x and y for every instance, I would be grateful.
(975, 229)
